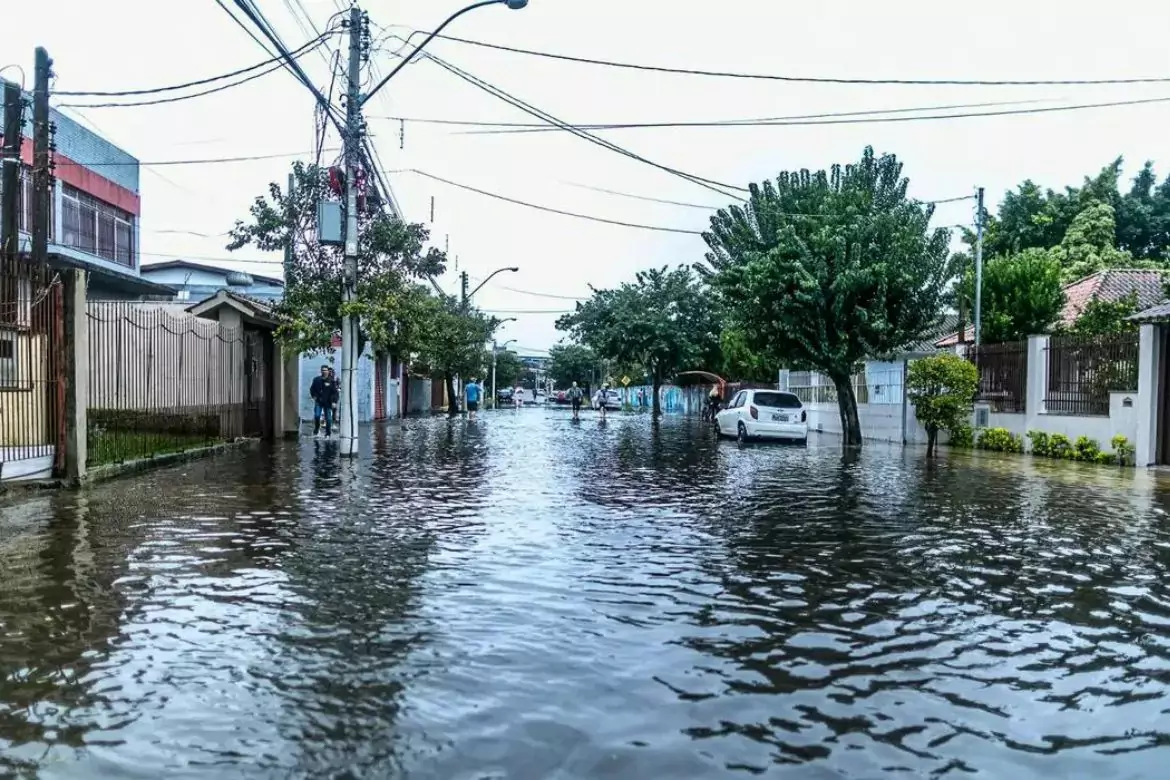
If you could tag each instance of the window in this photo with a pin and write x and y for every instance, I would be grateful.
(737, 401)
(24, 220)
(777, 400)
(9, 376)
(97, 227)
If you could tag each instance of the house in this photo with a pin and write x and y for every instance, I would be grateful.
(380, 389)
(195, 281)
(94, 222)
(1109, 285)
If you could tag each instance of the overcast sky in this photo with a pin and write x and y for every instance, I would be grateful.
(135, 44)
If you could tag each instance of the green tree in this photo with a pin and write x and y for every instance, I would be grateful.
(739, 361)
(821, 270)
(572, 363)
(1090, 244)
(451, 342)
(1106, 318)
(942, 388)
(509, 369)
(1022, 296)
(664, 320)
(391, 253)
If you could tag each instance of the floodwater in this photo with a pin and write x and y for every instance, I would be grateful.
(523, 597)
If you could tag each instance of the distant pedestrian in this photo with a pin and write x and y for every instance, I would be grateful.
(602, 398)
(325, 393)
(517, 396)
(471, 394)
(575, 395)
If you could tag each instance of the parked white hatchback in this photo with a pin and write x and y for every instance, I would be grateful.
(764, 414)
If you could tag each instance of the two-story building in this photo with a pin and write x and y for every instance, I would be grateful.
(96, 208)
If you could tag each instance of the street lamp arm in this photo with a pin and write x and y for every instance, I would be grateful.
(512, 269)
(406, 60)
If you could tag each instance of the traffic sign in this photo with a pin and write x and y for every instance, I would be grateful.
(625, 381)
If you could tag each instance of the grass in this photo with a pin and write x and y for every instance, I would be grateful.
(105, 447)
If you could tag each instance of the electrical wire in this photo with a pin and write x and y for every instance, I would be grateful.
(709, 184)
(160, 101)
(551, 210)
(750, 122)
(189, 84)
(204, 161)
(805, 79)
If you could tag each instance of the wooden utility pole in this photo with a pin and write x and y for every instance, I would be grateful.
(42, 173)
(10, 177)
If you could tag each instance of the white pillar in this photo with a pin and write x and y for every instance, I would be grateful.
(1036, 388)
(1149, 390)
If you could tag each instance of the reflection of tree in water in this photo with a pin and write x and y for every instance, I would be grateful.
(354, 622)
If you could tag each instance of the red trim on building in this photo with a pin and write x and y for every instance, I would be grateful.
(82, 178)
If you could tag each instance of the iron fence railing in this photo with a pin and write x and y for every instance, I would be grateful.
(1003, 375)
(1082, 371)
(163, 381)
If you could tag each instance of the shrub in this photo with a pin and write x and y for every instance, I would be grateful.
(962, 436)
(1000, 440)
(1126, 452)
(1086, 449)
(1060, 447)
(1107, 458)
(1041, 444)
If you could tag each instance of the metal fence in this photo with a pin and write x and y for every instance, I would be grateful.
(32, 381)
(1003, 375)
(1083, 371)
(814, 387)
(164, 381)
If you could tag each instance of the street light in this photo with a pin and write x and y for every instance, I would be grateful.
(478, 287)
(515, 5)
(495, 349)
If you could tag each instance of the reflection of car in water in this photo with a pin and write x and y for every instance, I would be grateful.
(613, 401)
(764, 414)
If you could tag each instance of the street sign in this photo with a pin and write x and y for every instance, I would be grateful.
(625, 381)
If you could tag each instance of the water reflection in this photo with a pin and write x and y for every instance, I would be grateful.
(524, 596)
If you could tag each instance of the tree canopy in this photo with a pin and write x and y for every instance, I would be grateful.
(942, 388)
(509, 369)
(391, 256)
(572, 363)
(664, 320)
(1023, 295)
(821, 270)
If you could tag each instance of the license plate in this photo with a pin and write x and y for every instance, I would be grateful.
(780, 418)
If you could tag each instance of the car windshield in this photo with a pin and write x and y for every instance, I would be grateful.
(777, 400)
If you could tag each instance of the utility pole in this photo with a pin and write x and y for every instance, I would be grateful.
(463, 290)
(42, 163)
(347, 425)
(10, 181)
(978, 264)
(494, 395)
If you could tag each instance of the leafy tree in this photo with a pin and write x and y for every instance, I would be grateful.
(821, 270)
(1089, 244)
(451, 342)
(391, 253)
(740, 361)
(509, 369)
(572, 363)
(1022, 296)
(942, 388)
(1106, 318)
(664, 320)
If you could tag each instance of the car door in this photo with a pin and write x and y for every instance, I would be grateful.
(729, 417)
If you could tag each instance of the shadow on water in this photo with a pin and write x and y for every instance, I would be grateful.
(528, 596)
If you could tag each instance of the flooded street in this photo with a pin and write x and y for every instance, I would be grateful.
(522, 597)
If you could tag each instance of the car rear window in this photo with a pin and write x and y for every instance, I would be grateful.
(777, 400)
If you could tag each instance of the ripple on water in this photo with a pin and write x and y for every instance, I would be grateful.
(526, 597)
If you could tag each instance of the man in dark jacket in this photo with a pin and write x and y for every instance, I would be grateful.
(325, 393)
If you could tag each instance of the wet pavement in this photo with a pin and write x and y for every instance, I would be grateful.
(522, 597)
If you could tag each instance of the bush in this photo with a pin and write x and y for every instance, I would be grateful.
(1060, 447)
(962, 436)
(1000, 440)
(1086, 450)
(941, 388)
(1126, 453)
(1041, 444)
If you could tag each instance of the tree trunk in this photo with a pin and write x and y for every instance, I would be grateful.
(655, 404)
(931, 440)
(847, 406)
(452, 401)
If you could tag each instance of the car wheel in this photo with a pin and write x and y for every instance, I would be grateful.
(741, 434)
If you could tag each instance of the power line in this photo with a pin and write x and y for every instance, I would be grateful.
(545, 116)
(551, 210)
(189, 84)
(203, 161)
(807, 79)
(749, 122)
(297, 54)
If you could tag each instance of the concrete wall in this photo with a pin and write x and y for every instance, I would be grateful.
(418, 398)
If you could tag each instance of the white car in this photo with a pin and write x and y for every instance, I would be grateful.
(764, 414)
(613, 401)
